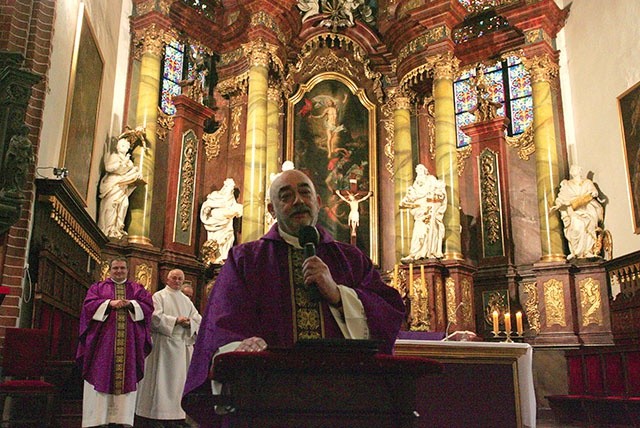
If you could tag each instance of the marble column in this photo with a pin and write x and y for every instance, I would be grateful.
(403, 173)
(542, 70)
(256, 145)
(146, 114)
(273, 160)
(446, 152)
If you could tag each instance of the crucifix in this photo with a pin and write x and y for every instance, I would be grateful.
(353, 197)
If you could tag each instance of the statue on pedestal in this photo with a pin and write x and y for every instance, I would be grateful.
(217, 214)
(426, 200)
(119, 181)
(581, 214)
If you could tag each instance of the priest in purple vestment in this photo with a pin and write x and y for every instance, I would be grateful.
(263, 296)
(113, 343)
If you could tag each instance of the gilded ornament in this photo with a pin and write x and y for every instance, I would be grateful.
(590, 301)
(523, 143)
(439, 301)
(187, 176)
(231, 57)
(105, 268)
(390, 131)
(265, 20)
(494, 300)
(491, 223)
(440, 66)
(165, 124)
(409, 5)
(234, 85)
(541, 68)
(450, 292)
(151, 40)
(531, 305)
(419, 319)
(554, 303)
(68, 223)
(422, 42)
(462, 154)
(467, 297)
(236, 114)
(537, 35)
(143, 275)
(212, 141)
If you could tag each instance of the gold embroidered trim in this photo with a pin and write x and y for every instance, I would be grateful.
(308, 322)
(121, 343)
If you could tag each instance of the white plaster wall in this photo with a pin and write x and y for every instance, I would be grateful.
(600, 59)
(110, 24)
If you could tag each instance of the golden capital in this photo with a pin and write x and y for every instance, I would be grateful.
(151, 40)
(541, 68)
(445, 66)
(402, 103)
(260, 52)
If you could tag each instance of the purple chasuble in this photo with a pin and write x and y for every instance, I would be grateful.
(252, 297)
(96, 343)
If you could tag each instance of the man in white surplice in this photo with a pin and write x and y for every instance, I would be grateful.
(174, 325)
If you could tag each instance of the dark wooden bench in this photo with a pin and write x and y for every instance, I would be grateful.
(604, 387)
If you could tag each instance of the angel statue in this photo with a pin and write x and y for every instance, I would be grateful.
(217, 214)
(329, 110)
(309, 7)
(119, 181)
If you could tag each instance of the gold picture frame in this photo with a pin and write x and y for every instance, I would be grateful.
(629, 108)
(331, 136)
(83, 103)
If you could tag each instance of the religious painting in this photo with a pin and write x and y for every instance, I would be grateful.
(83, 100)
(629, 105)
(331, 137)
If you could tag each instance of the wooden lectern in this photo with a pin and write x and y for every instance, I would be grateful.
(329, 385)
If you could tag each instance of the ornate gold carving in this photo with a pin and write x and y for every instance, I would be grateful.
(440, 66)
(104, 270)
(165, 124)
(331, 62)
(210, 252)
(402, 103)
(494, 300)
(450, 291)
(151, 40)
(541, 68)
(590, 301)
(429, 104)
(142, 8)
(346, 43)
(231, 57)
(237, 84)
(408, 5)
(531, 305)
(439, 301)
(462, 154)
(523, 143)
(419, 313)
(143, 275)
(537, 35)
(212, 141)
(467, 297)
(422, 42)
(261, 54)
(554, 303)
(187, 178)
(263, 19)
(236, 114)
(390, 131)
(491, 223)
(70, 225)
(478, 5)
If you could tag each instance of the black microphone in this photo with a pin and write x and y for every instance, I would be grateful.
(308, 238)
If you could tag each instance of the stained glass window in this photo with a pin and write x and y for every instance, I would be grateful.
(177, 65)
(508, 81)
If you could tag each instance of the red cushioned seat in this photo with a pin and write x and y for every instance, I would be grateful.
(24, 360)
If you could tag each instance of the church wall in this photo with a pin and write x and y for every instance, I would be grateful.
(110, 24)
(599, 60)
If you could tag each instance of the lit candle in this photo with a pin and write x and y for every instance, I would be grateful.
(424, 283)
(519, 322)
(507, 322)
(395, 276)
(410, 279)
(496, 328)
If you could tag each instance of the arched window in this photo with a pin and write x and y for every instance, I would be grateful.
(176, 67)
(509, 84)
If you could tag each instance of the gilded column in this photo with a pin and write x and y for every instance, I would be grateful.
(403, 177)
(256, 146)
(542, 69)
(150, 54)
(446, 149)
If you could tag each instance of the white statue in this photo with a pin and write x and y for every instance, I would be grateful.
(119, 181)
(581, 214)
(217, 214)
(354, 214)
(270, 220)
(309, 7)
(426, 200)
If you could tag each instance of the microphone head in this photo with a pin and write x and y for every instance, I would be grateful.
(308, 235)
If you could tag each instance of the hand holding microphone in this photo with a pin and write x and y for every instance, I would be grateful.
(316, 272)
